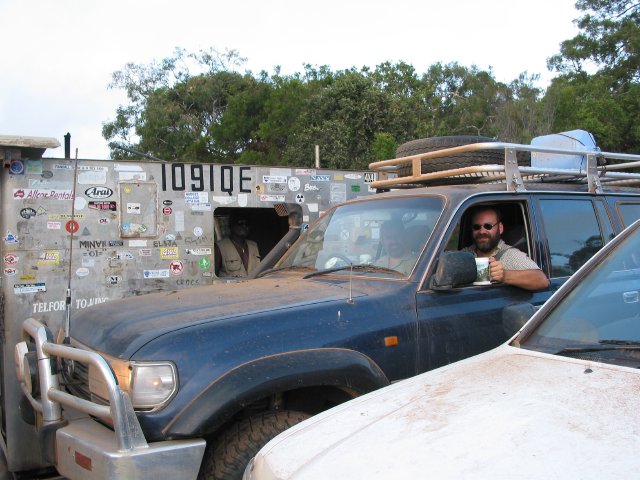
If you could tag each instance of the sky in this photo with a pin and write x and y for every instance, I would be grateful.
(57, 57)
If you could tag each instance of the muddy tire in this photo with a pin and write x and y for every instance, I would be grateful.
(229, 454)
(460, 160)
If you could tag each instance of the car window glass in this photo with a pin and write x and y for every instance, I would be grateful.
(361, 233)
(602, 308)
(629, 212)
(573, 234)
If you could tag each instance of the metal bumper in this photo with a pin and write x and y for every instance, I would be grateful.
(86, 449)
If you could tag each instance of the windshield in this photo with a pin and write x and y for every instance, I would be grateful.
(599, 318)
(373, 236)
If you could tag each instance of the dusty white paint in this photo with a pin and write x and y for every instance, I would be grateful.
(509, 413)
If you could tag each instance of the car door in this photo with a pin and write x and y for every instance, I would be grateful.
(574, 228)
(462, 322)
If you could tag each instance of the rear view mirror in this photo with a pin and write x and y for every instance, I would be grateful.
(454, 269)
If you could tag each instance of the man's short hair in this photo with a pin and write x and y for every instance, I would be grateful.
(485, 208)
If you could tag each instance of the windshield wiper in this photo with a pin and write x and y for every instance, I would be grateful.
(602, 346)
(359, 267)
(277, 269)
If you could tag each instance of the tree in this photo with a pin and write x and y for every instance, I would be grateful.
(609, 39)
(166, 88)
(600, 75)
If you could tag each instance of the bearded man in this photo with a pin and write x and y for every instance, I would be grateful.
(507, 264)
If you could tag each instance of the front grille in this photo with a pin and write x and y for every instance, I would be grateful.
(76, 380)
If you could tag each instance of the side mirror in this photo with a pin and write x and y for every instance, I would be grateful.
(454, 269)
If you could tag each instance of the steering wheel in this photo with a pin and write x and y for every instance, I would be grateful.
(337, 260)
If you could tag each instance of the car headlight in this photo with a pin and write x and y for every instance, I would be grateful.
(152, 384)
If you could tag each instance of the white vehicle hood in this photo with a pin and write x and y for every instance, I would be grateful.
(509, 413)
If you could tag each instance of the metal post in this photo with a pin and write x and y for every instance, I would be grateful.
(317, 156)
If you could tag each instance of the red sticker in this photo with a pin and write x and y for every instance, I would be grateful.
(72, 226)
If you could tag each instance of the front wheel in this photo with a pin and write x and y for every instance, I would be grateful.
(230, 453)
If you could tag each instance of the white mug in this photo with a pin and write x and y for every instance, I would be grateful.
(482, 267)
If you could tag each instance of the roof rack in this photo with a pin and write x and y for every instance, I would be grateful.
(596, 173)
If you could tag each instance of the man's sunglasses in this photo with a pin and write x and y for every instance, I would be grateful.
(486, 226)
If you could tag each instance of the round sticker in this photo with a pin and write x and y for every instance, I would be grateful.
(16, 167)
(197, 231)
(294, 184)
(176, 267)
(72, 226)
(82, 272)
(166, 210)
(10, 259)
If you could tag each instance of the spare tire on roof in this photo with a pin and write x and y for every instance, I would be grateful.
(458, 160)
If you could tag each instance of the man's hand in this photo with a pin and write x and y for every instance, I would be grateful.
(527, 279)
(496, 270)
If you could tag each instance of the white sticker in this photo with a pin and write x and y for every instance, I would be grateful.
(137, 243)
(134, 208)
(280, 172)
(273, 179)
(82, 272)
(95, 177)
(194, 198)
(79, 203)
(197, 231)
(29, 288)
(294, 184)
(370, 177)
(313, 207)
(54, 225)
(199, 251)
(272, 198)
(156, 273)
(201, 207)
(223, 200)
(243, 199)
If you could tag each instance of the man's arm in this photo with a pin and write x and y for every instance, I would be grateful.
(533, 279)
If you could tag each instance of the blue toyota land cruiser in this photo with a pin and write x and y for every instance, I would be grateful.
(194, 382)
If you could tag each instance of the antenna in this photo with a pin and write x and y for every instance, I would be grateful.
(67, 322)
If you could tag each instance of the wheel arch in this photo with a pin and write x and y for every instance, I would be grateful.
(299, 371)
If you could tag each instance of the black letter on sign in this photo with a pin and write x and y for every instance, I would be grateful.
(177, 181)
(244, 179)
(197, 175)
(223, 176)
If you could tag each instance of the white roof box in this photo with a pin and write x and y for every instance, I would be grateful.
(580, 140)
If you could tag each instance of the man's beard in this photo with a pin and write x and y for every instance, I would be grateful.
(490, 245)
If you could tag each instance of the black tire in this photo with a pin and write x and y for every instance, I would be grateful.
(230, 452)
(460, 160)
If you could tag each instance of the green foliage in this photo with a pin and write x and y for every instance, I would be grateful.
(198, 107)
(605, 100)
(609, 39)
(383, 147)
